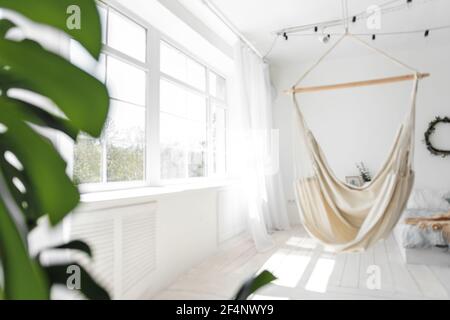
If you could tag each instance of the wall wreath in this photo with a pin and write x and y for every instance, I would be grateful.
(429, 133)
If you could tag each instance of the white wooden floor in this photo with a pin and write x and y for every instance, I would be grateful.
(306, 271)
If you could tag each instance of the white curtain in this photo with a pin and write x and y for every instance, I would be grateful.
(254, 149)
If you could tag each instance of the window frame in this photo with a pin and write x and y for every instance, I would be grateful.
(109, 51)
(208, 100)
(152, 165)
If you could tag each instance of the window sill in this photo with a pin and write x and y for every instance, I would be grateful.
(110, 199)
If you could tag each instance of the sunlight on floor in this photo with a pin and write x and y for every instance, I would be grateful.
(294, 241)
(302, 242)
(287, 266)
(318, 281)
(275, 260)
(291, 271)
(307, 270)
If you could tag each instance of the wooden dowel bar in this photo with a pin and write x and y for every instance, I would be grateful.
(363, 83)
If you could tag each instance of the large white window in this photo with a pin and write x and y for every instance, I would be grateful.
(193, 117)
(119, 155)
(190, 111)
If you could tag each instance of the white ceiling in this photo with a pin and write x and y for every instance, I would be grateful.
(258, 19)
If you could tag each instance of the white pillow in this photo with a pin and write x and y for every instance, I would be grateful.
(429, 199)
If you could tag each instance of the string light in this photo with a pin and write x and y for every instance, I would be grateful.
(325, 38)
(387, 7)
(425, 32)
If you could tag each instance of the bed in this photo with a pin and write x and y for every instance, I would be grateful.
(419, 246)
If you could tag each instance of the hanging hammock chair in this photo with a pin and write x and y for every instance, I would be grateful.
(344, 217)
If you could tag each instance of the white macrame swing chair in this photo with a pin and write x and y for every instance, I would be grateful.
(344, 217)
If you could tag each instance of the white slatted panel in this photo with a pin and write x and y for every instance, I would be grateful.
(123, 241)
(138, 249)
(99, 234)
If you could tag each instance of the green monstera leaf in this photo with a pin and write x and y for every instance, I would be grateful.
(33, 179)
(253, 284)
(55, 13)
(60, 273)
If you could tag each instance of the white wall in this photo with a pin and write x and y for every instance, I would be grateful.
(186, 235)
(359, 124)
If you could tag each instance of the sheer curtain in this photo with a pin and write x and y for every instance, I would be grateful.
(254, 149)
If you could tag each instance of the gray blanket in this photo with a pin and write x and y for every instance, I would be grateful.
(414, 237)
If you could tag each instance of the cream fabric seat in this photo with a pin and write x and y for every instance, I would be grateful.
(351, 218)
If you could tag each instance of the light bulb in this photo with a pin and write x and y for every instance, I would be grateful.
(409, 4)
(324, 38)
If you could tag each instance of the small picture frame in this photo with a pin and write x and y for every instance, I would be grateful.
(355, 181)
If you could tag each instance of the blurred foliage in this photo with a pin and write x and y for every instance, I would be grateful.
(87, 161)
(125, 163)
(253, 284)
(124, 153)
(33, 180)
